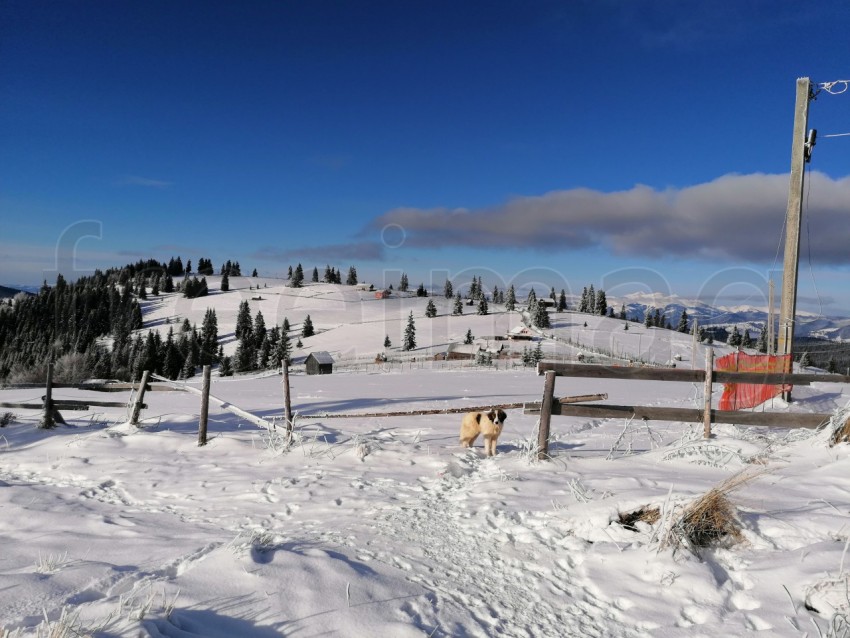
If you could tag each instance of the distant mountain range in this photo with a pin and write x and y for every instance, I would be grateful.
(7, 292)
(808, 324)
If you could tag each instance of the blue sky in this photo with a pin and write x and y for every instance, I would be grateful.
(557, 143)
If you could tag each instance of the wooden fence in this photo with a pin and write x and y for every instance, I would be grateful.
(549, 406)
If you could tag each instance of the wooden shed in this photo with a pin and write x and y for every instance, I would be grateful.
(319, 363)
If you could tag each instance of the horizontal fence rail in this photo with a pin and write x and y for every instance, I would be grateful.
(686, 415)
(580, 370)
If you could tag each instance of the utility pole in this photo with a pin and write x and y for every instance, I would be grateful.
(771, 319)
(800, 153)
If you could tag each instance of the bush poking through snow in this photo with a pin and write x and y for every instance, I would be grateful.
(711, 520)
(840, 424)
(645, 514)
(6, 418)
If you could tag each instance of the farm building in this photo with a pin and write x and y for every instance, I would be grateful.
(319, 363)
(521, 333)
(382, 294)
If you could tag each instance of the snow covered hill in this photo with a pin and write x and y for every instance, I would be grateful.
(384, 526)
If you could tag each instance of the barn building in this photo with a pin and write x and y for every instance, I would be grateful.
(319, 363)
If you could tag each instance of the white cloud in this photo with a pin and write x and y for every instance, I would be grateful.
(738, 217)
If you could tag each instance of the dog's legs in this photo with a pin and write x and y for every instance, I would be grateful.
(489, 445)
(468, 441)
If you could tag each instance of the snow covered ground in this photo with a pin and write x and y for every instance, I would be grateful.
(372, 526)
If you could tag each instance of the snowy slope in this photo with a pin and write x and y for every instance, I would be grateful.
(372, 526)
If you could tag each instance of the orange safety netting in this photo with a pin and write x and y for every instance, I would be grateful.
(737, 396)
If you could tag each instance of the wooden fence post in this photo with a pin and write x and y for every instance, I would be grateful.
(47, 420)
(137, 406)
(287, 401)
(709, 374)
(205, 407)
(545, 416)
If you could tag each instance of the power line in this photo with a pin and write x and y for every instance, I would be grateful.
(835, 88)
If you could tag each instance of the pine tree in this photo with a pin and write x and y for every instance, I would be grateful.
(409, 342)
(531, 300)
(562, 301)
(762, 341)
(832, 367)
(259, 329)
(430, 309)
(623, 311)
(209, 337)
(601, 303)
(683, 322)
(289, 273)
(402, 285)
(387, 342)
(541, 317)
(225, 282)
(537, 354)
(282, 350)
(245, 358)
(297, 277)
(171, 360)
(265, 353)
(483, 309)
(647, 320)
(448, 289)
(469, 337)
(315, 277)
(746, 340)
(591, 299)
(168, 286)
(351, 280)
(226, 369)
(804, 360)
(510, 301)
(188, 370)
(307, 328)
(457, 309)
(582, 307)
(155, 287)
(656, 318)
(421, 292)
(254, 273)
(243, 320)
(625, 326)
(734, 337)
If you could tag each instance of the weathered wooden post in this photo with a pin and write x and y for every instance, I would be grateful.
(545, 416)
(137, 406)
(287, 401)
(205, 407)
(47, 420)
(709, 374)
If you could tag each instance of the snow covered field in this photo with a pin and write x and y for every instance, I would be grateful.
(386, 527)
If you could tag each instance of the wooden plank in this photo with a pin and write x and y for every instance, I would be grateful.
(96, 387)
(67, 405)
(692, 415)
(588, 371)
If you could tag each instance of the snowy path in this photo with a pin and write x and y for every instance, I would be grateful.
(483, 582)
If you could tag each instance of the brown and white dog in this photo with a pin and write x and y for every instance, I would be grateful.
(489, 424)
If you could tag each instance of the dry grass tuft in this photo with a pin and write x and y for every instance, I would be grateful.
(629, 520)
(841, 434)
(711, 520)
